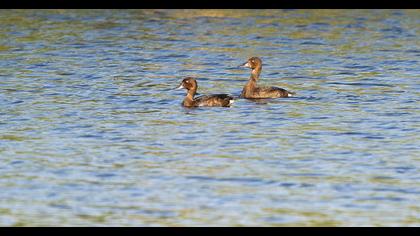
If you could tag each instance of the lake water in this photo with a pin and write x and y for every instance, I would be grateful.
(93, 134)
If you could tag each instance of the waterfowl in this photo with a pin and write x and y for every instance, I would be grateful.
(251, 90)
(214, 100)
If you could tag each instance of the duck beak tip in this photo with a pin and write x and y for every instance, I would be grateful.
(244, 65)
(179, 87)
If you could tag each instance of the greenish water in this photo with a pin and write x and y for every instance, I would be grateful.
(92, 134)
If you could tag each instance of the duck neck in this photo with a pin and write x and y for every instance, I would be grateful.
(252, 82)
(255, 73)
(190, 97)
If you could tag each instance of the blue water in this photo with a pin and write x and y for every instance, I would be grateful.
(93, 134)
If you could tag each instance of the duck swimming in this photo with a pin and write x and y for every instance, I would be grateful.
(251, 90)
(214, 100)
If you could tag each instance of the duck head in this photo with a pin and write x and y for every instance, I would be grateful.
(253, 62)
(188, 83)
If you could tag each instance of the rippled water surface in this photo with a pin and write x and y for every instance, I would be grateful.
(93, 134)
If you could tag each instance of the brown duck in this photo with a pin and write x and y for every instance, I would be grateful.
(251, 90)
(214, 100)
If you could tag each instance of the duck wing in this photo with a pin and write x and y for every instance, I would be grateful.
(214, 100)
(272, 92)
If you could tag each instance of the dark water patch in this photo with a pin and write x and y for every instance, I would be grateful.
(60, 206)
(81, 45)
(312, 43)
(355, 26)
(395, 113)
(158, 213)
(392, 199)
(360, 206)
(17, 102)
(16, 162)
(344, 187)
(389, 50)
(92, 136)
(318, 133)
(361, 84)
(360, 67)
(382, 177)
(307, 174)
(347, 73)
(351, 133)
(320, 24)
(234, 180)
(404, 169)
(398, 190)
(400, 62)
(394, 91)
(373, 137)
(393, 30)
(320, 118)
(106, 175)
(413, 51)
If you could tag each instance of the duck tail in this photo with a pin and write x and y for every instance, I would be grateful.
(290, 94)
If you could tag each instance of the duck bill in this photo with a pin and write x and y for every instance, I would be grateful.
(246, 65)
(179, 87)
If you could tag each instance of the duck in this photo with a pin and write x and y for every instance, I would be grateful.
(213, 100)
(251, 90)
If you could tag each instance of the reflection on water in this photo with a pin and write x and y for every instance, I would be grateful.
(91, 132)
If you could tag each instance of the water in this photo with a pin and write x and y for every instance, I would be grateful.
(92, 134)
